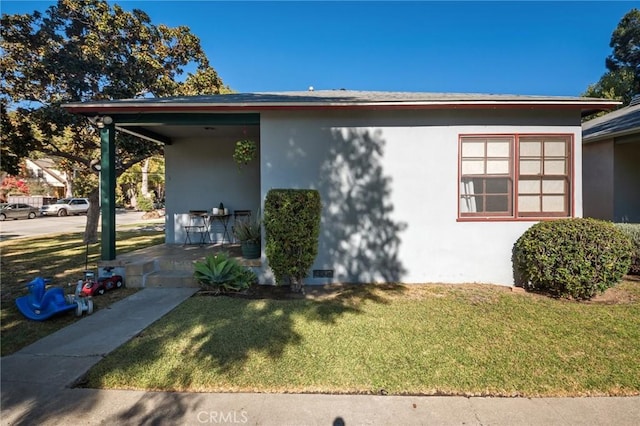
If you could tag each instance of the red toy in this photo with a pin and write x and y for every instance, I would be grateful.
(92, 287)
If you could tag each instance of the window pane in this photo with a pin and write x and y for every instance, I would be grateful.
(498, 149)
(554, 167)
(530, 167)
(553, 203)
(529, 203)
(472, 149)
(555, 148)
(471, 204)
(553, 186)
(529, 187)
(486, 183)
(472, 167)
(470, 186)
(497, 186)
(497, 203)
(530, 149)
(498, 167)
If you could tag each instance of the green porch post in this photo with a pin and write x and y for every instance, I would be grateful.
(108, 191)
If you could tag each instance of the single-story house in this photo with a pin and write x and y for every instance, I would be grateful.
(611, 165)
(415, 187)
(45, 169)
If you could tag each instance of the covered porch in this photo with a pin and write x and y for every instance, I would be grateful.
(200, 171)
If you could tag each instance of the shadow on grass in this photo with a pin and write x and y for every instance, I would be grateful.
(224, 332)
(59, 257)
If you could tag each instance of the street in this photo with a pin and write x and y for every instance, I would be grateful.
(41, 225)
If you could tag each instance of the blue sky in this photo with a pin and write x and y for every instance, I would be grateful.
(536, 48)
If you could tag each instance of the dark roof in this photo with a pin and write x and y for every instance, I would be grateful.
(621, 122)
(326, 99)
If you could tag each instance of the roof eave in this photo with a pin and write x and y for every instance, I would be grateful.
(93, 108)
(613, 135)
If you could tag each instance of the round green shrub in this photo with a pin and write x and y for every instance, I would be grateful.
(632, 230)
(144, 204)
(576, 258)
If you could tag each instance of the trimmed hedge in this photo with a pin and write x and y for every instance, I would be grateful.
(576, 258)
(632, 230)
(292, 227)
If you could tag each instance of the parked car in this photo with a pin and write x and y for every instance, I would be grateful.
(66, 206)
(17, 211)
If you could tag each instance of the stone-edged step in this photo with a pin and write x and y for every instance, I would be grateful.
(135, 272)
(168, 264)
(176, 278)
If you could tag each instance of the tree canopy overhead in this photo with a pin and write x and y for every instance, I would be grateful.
(82, 50)
(622, 79)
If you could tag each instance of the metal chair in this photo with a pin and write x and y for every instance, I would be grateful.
(198, 224)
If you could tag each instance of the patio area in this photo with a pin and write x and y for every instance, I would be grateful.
(169, 265)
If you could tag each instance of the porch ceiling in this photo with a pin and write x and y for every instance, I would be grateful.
(165, 128)
(174, 132)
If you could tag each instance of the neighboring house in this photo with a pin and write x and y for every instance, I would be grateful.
(611, 165)
(416, 187)
(45, 170)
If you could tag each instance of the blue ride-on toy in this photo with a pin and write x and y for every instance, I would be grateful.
(39, 304)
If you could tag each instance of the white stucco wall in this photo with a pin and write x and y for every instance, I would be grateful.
(200, 174)
(388, 182)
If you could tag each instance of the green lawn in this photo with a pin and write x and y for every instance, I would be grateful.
(431, 339)
(60, 257)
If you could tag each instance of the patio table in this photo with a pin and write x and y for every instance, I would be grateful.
(223, 219)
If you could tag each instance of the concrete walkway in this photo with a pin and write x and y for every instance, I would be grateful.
(36, 389)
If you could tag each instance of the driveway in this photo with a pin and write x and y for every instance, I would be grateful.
(42, 225)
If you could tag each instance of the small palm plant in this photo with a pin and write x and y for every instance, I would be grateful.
(222, 273)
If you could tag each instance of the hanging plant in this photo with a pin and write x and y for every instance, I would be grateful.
(245, 151)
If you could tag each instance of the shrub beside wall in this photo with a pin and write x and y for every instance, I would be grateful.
(292, 228)
(632, 230)
(576, 258)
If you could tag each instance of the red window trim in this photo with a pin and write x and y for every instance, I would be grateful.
(515, 216)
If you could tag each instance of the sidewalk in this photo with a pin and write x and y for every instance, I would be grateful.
(36, 389)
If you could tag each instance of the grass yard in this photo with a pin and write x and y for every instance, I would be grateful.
(427, 339)
(62, 258)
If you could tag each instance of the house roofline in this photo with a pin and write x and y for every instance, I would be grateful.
(609, 136)
(105, 108)
(336, 100)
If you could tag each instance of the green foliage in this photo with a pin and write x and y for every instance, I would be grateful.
(292, 227)
(248, 229)
(222, 273)
(84, 183)
(15, 140)
(576, 258)
(145, 204)
(632, 230)
(88, 50)
(129, 184)
(244, 152)
(622, 79)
